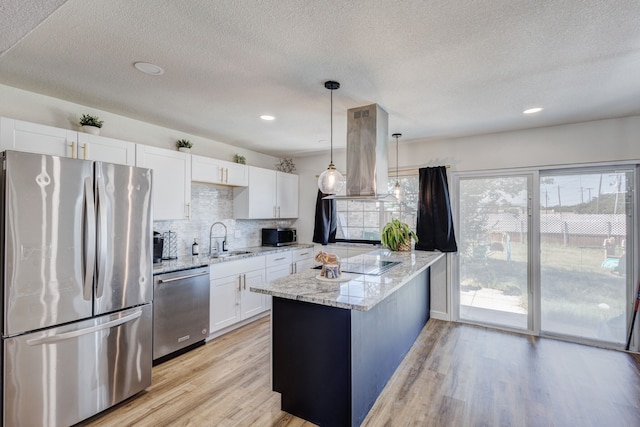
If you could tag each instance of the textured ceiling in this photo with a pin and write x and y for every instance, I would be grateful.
(440, 69)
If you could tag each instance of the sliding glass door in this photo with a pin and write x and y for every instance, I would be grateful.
(493, 250)
(548, 251)
(585, 225)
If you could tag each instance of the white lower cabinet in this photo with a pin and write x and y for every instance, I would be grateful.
(231, 300)
(302, 259)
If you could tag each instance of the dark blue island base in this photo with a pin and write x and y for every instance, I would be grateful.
(330, 364)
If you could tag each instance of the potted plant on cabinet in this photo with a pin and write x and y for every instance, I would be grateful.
(397, 235)
(91, 124)
(184, 145)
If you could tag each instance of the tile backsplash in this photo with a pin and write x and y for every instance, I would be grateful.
(211, 203)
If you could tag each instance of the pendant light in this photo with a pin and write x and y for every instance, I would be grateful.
(397, 189)
(331, 181)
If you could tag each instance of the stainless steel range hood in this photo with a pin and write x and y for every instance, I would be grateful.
(367, 154)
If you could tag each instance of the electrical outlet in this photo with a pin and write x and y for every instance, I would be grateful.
(237, 234)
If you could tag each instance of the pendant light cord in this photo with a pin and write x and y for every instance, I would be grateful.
(331, 133)
(396, 136)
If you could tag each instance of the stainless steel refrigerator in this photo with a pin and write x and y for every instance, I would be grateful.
(77, 287)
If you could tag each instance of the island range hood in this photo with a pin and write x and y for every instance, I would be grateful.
(367, 155)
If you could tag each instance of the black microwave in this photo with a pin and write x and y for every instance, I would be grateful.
(279, 236)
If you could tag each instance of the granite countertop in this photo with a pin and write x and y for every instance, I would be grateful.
(186, 263)
(352, 291)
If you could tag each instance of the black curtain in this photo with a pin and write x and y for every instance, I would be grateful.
(326, 222)
(435, 222)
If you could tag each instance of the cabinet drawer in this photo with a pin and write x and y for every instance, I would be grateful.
(302, 254)
(278, 258)
(241, 266)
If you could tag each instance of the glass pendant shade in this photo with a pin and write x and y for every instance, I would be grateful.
(397, 191)
(330, 181)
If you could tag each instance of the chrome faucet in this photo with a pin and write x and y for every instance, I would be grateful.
(224, 242)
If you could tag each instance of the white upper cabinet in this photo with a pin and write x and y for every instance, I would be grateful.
(41, 139)
(214, 171)
(171, 181)
(287, 195)
(35, 138)
(100, 148)
(270, 194)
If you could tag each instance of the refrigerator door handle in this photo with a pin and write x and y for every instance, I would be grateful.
(73, 334)
(102, 254)
(89, 238)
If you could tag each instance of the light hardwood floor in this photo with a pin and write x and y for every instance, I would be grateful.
(454, 375)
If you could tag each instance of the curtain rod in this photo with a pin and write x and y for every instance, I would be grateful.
(416, 169)
(412, 170)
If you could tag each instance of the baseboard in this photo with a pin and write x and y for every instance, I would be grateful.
(440, 315)
(235, 326)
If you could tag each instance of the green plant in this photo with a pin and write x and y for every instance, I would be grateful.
(89, 120)
(286, 165)
(184, 143)
(397, 235)
(239, 159)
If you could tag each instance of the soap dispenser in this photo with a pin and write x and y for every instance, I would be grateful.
(194, 248)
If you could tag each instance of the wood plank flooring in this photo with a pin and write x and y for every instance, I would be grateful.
(454, 375)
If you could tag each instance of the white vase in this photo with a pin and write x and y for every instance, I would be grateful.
(91, 130)
(184, 149)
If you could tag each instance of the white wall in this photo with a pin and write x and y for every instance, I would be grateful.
(32, 107)
(588, 142)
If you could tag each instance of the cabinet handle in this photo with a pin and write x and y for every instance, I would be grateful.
(244, 281)
(304, 253)
(239, 283)
(274, 212)
(280, 259)
(73, 149)
(84, 151)
(221, 174)
(278, 211)
(226, 175)
(188, 210)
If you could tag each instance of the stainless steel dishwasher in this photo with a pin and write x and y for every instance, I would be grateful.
(180, 311)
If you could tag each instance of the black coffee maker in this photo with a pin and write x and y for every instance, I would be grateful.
(158, 246)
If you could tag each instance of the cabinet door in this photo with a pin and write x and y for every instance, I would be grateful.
(235, 174)
(300, 266)
(224, 302)
(35, 138)
(206, 169)
(287, 195)
(258, 200)
(171, 181)
(252, 303)
(100, 148)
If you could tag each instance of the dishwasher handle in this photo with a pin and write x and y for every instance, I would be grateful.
(188, 276)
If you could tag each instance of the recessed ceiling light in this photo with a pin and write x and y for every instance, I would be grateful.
(149, 68)
(267, 117)
(532, 110)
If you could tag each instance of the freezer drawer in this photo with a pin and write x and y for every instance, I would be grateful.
(62, 375)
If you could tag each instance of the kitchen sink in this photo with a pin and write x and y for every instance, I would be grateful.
(230, 253)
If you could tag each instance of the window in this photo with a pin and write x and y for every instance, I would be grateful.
(360, 221)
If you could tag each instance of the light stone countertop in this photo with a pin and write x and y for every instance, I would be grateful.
(361, 292)
(186, 263)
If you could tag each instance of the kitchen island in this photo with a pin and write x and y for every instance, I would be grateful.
(336, 343)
